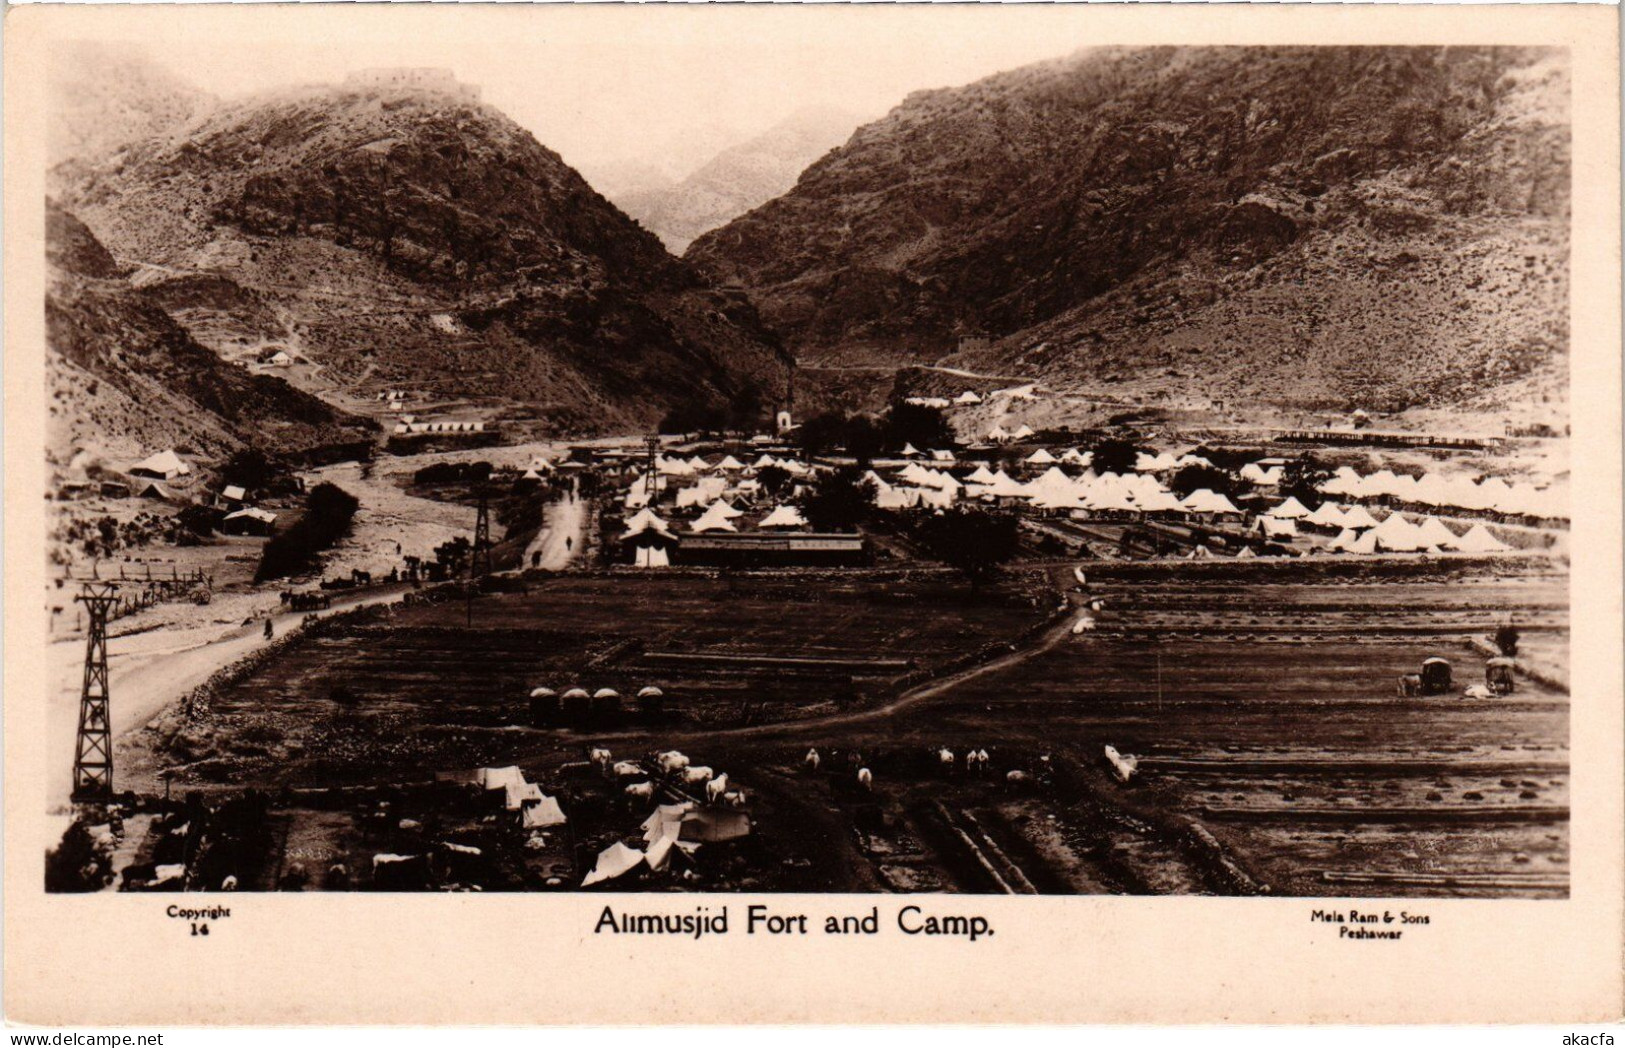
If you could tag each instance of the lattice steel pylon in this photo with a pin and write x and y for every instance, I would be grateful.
(480, 566)
(93, 750)
(651, 465)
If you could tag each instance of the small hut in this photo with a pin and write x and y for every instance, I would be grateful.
(544, 706)
(1435, 676)
(606, 704)
(1499, 674)
(576, 704)
(651, 700)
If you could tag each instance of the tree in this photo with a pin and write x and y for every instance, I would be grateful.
(1114, 455)
(1197, 476)
(864, 439)
(1301, 479)
(250, 468)
(453, 554)
(823, 433)
(916, 424)
(838, 501)
(972, 540)
(1506, 639)
(775, 480)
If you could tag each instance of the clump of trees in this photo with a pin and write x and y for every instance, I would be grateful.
(864, 437)
(1301, 479)
(1114, 455)
(453, 473)
(775, 481)
(1506, 639)
(858, 435)
(975, 541)
(838, 501)
(77, 863)
(329, 512)
(254, 470)
(924, 427)
(1196, 476)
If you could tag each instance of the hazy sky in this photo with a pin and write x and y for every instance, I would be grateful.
(609, 83)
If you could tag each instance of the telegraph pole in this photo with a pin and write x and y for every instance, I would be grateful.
(482, 537)
(93, 750)
(479, 559)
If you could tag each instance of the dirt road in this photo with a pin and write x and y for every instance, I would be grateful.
(561, 535)
(148, 671)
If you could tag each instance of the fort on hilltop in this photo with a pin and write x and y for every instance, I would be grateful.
(423, 78)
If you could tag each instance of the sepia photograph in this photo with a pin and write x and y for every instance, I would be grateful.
(1138, 470)
(761, 476)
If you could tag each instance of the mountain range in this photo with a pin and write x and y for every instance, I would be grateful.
(1314, 227)
(402, 234)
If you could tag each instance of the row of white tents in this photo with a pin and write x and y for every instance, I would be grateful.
(1491, 494)
(1360, 532)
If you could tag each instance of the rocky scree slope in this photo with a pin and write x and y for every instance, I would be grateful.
(126, 380)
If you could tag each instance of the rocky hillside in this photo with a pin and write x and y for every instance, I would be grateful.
(104, 96)
(412, 237)
(739, 178)
(1316, 227)
(127, 380)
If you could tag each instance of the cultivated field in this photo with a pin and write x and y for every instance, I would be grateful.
(1275, 754)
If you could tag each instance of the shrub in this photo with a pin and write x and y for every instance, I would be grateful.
(329, 511)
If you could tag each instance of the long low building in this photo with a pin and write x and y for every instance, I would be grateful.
(765, 549)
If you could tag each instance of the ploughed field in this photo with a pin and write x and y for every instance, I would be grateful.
(403, 694)
(1275, 753)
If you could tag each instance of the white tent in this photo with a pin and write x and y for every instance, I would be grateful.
(165, 465)
(1160, 501)
(784, 516)
(1358, 517)
(717, 517)
(1432, 532)
(763, 462)
(940, 455)
(542, 814)
(730, 464)
(499, 778)
(910, 450)
(997, 435)
(1365, 543)
(1345, 539)
(1291, 509)
(981, 475)
(1398, 535)
(1022, 433)
(1479, 540)
(1277, 528)
(1006, 486)
(645, 520)
(613, 861)
(968, 397)
(653, 557)
(1327, 515)
(1064, 500)
(1245, 553)
(1206, 500)
(1041, 457)
(517, 794)
(897, 498)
